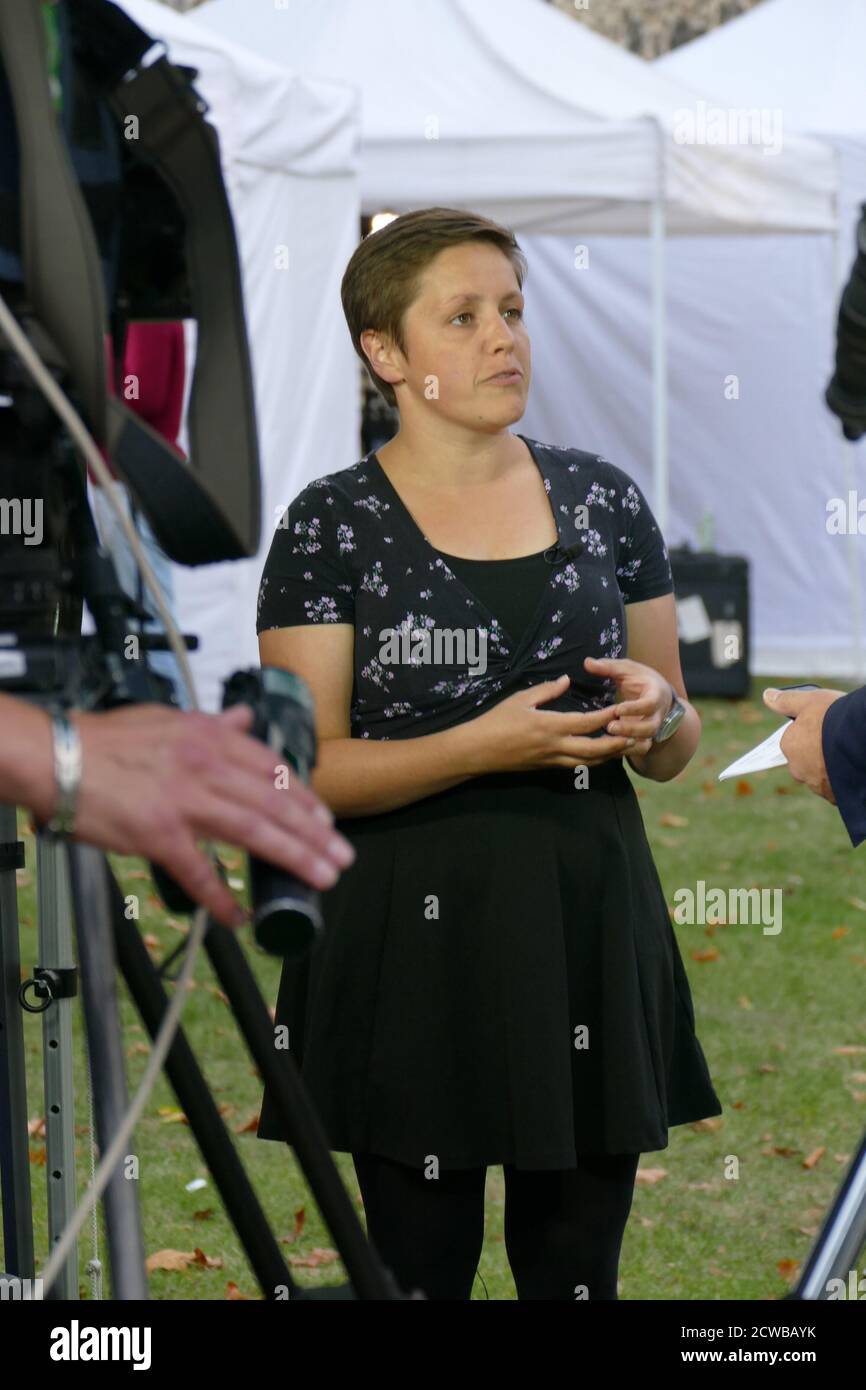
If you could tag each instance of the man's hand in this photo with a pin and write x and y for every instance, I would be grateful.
(801, 742)
(155, 780)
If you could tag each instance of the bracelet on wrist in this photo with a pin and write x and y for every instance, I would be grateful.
(66, 744)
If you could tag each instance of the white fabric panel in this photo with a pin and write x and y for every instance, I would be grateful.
(289, 148)
(762, 465)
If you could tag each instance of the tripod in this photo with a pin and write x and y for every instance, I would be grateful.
(64, 678)
(106, 937)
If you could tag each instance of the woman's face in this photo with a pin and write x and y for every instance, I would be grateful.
(455, 343)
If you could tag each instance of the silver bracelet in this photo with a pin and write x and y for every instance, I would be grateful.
(67, 775)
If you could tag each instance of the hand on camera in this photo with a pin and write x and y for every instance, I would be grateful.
(156, 780)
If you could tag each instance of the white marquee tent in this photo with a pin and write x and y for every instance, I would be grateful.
(804, 62)
(289, 149)
(515, 110)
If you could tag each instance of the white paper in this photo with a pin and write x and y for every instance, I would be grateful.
(693, 620)
(766, 754)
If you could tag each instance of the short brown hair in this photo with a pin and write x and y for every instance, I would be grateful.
(381, 279)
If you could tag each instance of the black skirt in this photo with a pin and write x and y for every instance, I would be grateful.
(498, 982)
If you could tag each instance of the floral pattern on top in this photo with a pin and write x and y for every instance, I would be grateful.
(347, 550)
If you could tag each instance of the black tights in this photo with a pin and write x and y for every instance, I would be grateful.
(563, 1229)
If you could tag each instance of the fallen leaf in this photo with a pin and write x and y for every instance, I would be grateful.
(314, 1259)
(200, 1258)
(710, 954)
(650, 1176)
(668, 818)
(172, 1116)
(813, 1157)
(744, 788)
(169, 1259)
(300, 1218)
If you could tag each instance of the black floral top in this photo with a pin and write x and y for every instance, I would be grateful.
(428, 653)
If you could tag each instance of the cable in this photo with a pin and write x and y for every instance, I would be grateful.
(56, 397)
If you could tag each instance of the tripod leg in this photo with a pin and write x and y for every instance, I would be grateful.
(368, 1278)
(198, 1105)
(14, 1149)
(841, 1238)
(56, 951)
(91, 913)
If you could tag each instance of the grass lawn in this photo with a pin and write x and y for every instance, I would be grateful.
(728, 1209)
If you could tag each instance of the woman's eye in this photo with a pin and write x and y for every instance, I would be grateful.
(466, 314)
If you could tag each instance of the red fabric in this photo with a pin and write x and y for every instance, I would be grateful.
(154, 355)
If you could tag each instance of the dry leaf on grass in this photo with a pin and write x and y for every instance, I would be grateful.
(650, 1176)
(315, 1258)
(814, 1156)
(180, 1259)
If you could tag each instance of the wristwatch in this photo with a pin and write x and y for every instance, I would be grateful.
(672, 719)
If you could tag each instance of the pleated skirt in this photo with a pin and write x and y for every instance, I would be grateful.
(498, 981)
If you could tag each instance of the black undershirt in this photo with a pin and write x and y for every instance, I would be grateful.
(510, 588)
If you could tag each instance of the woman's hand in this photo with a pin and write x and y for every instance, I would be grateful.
(646, 698)
(517, 736)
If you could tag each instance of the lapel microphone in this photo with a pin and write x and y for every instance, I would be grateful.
(557, 554)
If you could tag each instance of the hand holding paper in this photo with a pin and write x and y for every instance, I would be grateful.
(765, 755)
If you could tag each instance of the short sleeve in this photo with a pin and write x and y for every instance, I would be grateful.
(643, 567)
(306, 578)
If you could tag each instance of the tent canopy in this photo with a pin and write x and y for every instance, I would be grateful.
(794, 55)
(530, 117)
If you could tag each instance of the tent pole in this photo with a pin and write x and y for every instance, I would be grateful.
(659, 347)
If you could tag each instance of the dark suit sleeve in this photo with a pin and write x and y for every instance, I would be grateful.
(843, 738)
